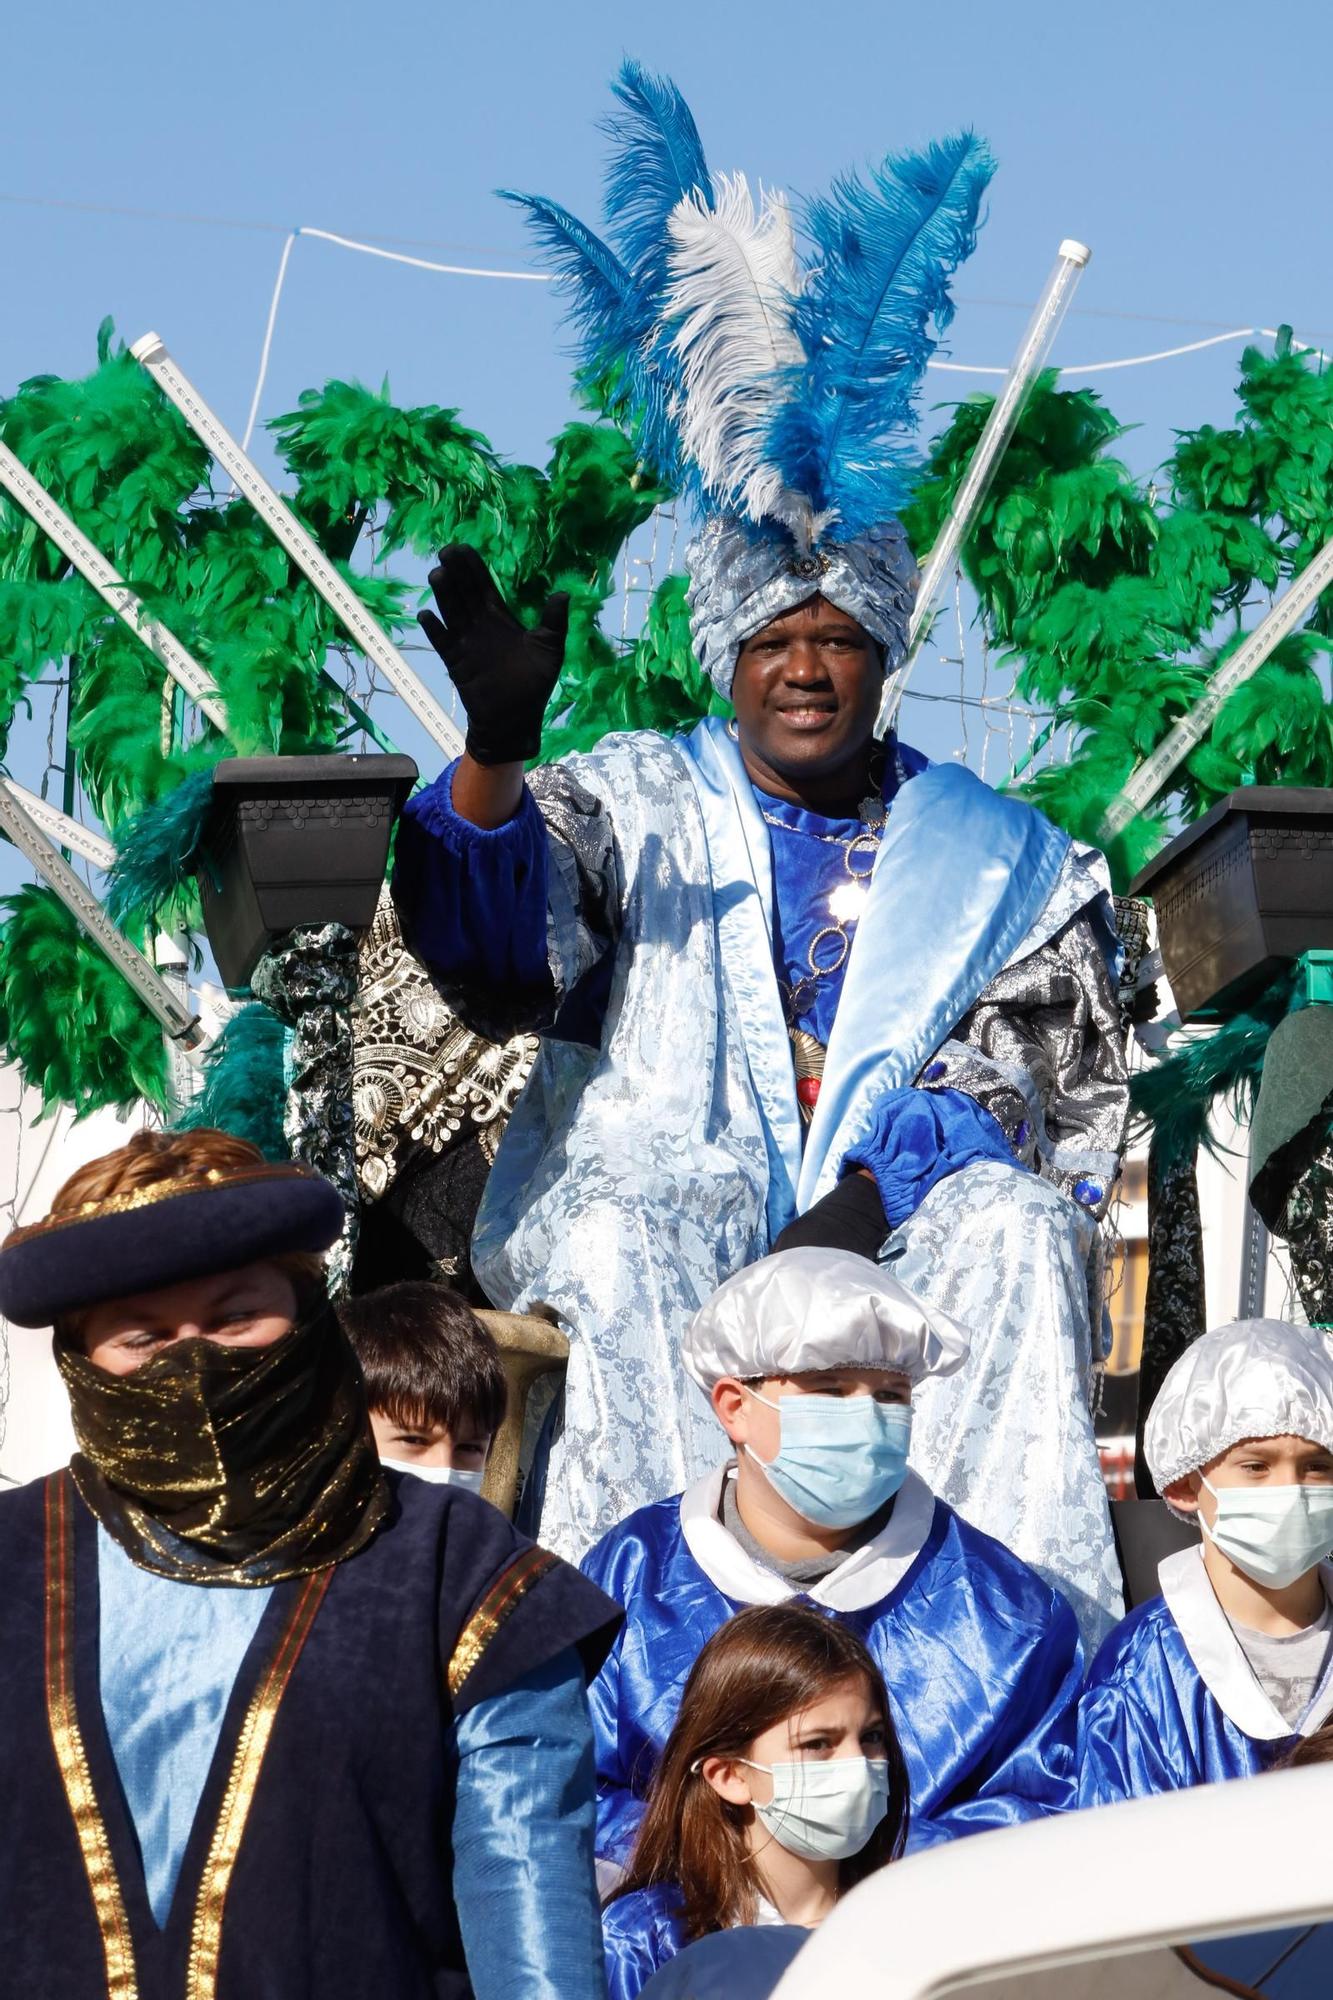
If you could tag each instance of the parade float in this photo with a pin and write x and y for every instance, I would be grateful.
(217, 661)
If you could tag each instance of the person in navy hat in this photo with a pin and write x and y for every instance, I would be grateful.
(267, 1713)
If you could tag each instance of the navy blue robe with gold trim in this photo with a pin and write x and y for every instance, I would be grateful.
(318, 1866)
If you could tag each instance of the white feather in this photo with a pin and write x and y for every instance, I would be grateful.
(733, 276)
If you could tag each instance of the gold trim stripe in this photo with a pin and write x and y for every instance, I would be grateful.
(508, 1590)
(206, 1931)
(67, 1739)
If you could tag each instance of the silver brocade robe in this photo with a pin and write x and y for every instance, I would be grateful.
(633, 1178)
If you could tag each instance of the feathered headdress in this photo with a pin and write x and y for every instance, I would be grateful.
(775, 388)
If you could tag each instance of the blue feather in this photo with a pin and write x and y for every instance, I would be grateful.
(615, 322)
(606, 306)
(657, 160)
(885, 249)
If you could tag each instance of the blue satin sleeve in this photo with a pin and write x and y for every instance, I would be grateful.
(1020, 1693)
(471, 899)
(920, 1137)
(1147, 1722)
(523, 1840)
(640, 1932)
(621, 1695)
(1120, 1754)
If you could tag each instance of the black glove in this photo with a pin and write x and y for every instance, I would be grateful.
(504, 674)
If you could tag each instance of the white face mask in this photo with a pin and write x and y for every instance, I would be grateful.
(825, 1811)
(1273, 1533)
(437, 1475)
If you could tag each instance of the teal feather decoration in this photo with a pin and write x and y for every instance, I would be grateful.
(244, 1090)
(1176, 1095)
(157, 851)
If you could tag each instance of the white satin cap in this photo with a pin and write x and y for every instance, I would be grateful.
(809, 1309)
(1253, 1378)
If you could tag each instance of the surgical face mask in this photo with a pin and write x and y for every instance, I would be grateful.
(1273, 1533)
(437, 1475)
(825, 1811)
(839, 1458)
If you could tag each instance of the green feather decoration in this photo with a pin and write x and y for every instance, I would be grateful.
(658, 685)
(1109, 598)
(244, 1090)
(69, 1019)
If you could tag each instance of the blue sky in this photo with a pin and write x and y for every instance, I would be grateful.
(1184, 140)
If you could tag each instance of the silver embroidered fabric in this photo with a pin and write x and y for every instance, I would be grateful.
(1008, 1441)
(739, 582)
(419, 1076)
(1044, 1052)
(633, 1179)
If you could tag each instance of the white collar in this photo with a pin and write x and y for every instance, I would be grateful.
(863, 1578)
(1219, 1657)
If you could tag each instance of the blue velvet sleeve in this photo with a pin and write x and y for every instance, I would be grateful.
(523, 1839)
(472, 900)
(919, 1137)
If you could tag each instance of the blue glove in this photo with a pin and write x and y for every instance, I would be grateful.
(919, 1137)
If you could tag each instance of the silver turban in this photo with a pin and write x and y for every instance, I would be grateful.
(739, 582)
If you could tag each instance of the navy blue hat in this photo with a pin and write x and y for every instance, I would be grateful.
(163, 1234)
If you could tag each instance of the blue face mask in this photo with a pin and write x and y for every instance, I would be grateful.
(839, 1457)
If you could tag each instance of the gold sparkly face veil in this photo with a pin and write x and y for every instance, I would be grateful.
(228, 1464)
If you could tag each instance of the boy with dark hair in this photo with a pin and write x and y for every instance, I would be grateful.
(434, 1380)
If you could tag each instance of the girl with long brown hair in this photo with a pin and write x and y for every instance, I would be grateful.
(781, 1785)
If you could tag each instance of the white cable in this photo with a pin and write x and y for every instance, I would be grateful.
(424, 263)
(367, 250)
(268, 340)
(1137, 360)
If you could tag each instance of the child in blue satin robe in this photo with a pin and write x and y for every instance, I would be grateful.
(781, 1785)
(1233, 1663)
(810, 1357)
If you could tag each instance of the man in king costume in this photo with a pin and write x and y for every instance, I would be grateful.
(776, 950)
(273, 1723)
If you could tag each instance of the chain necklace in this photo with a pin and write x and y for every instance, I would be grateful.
(832, 942)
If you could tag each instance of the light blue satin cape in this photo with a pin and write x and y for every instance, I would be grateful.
(961, 876)
(625, 1224)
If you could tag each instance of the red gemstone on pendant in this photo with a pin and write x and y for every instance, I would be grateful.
(807, 1091)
